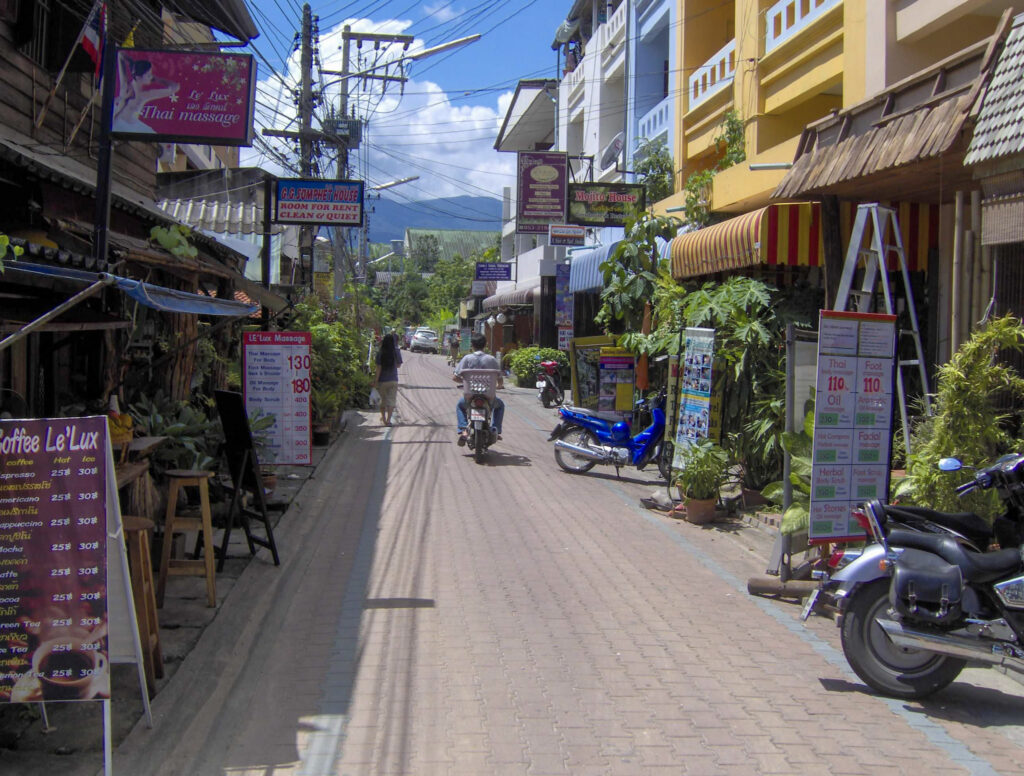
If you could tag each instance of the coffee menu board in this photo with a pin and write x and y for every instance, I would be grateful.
(276, 375)
(852, 420)
(53, 560)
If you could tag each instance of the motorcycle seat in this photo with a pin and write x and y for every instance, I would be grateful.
(582, 411)
(975, 566)
(975, 529)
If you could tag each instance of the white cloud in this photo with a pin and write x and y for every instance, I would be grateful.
(447, 141)
(442, 11)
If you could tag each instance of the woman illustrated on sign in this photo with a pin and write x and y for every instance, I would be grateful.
(137, 87)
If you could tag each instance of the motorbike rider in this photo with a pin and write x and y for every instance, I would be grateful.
(478, 359)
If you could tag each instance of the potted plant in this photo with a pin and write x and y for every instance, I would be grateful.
(705, 467)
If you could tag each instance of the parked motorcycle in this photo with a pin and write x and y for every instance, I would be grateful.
(478, 387)
(925, 597)
(549, 383)
(583, 440)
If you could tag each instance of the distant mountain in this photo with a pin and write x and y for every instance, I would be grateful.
(389, 219)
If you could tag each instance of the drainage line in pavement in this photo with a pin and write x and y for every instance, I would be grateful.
(958, 752)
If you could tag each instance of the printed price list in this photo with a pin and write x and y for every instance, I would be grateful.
(276, 369)
(53, 596)
(852, 419)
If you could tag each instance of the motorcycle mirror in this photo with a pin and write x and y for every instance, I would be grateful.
(950, 465)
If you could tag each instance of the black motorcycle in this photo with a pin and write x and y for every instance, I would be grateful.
(927, 596)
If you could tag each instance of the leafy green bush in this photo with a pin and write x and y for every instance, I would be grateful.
(523, 362)
(797, 516)
(966, 422)
(192, 437)
(338, 350)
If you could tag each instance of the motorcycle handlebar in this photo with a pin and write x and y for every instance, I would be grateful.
(967, 487)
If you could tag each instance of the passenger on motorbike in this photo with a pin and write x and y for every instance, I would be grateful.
(478, 359)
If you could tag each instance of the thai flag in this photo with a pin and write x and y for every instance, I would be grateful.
(92, 34)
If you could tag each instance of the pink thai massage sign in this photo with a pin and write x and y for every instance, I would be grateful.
(187, 96)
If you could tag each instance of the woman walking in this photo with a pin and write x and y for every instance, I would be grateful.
(389, 358)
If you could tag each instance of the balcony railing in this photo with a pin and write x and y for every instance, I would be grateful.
(788, 17)
(611, 30)
(714, 75)
(656, 121)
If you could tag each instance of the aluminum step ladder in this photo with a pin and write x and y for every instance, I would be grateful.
(879, 218)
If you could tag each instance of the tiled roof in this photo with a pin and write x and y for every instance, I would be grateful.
(999, 130)
(451, 242)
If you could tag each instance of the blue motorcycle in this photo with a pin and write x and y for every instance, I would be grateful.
(583, 440)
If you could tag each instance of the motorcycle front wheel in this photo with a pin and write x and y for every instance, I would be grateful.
(898, 672)
(570, 462)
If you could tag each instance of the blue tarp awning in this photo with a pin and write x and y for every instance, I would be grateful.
(585, 268)
(167, 300)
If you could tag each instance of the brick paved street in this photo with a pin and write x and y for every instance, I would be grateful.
(433, 616)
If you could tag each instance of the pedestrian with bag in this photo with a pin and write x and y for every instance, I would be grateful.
(389, 358)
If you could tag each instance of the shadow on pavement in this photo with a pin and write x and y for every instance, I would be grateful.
(503, 459)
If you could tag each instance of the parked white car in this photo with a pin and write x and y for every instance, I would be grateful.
(424, 340)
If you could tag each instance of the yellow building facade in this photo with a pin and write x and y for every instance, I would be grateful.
(784, 64)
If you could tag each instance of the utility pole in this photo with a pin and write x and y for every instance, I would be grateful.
(305, 127)
(347, 130)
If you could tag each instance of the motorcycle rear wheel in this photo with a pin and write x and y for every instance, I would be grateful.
(894, 671)
(571, 462)
(478, 452)
(551, 398)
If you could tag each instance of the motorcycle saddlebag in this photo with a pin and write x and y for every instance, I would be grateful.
(926, 588)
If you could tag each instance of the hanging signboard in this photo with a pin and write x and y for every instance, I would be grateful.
(313, 201)
(695, 375)
(566, 235)
(184, 96)
(563, 297)
(541, 179)
(852, 419)
(53, 560)
(493, 270)
(604, 204)
(276, 379)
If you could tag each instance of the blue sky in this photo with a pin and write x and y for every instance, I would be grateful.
(444, 125)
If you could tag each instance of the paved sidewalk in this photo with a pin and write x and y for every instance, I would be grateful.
(433, 616)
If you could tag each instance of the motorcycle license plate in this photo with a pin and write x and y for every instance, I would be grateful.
(541, 384)
(477, 415)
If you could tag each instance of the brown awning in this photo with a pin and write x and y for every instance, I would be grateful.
(520, 296)
(230, 16)
(907, 143)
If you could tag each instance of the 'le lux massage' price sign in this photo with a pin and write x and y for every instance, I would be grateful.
(852, 419)
(276, 371)
(53, 560)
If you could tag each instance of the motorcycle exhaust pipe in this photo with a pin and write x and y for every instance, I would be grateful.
(582, 452)
(953, 646)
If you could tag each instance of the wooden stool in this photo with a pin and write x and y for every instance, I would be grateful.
(175, 523)
(136, 535)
